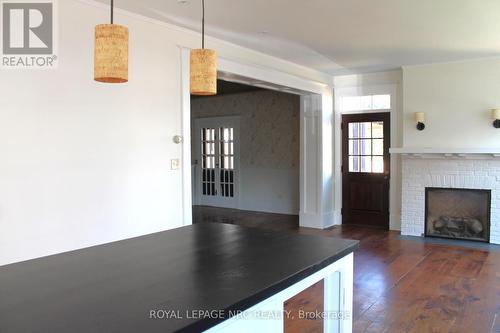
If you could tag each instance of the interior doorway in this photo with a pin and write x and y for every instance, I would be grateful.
(366, 169)
(246, 149)
(316, 208)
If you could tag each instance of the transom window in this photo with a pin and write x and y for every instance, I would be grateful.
(366, 103)
(366, 147)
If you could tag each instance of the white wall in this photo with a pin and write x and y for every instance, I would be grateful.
(269, 146)
(456, 98)
(85, 163)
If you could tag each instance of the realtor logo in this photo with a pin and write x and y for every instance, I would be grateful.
(28, 34)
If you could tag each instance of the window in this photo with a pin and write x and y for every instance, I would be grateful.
(366, 103)
(366, 147)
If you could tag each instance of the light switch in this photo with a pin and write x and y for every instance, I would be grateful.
(175, 164)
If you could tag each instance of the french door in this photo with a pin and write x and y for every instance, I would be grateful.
(217, 161)
(366, 169)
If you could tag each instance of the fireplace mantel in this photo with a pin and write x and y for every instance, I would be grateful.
(416, 152)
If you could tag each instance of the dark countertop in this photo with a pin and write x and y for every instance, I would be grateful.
(113, 287)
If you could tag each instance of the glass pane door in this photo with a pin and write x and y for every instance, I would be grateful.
(208, 158)
(226, 156)
(218, 143)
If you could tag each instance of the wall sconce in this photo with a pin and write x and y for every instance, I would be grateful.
(420, 120)
(495, 115)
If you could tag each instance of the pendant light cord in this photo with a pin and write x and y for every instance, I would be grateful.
(203, 24)
(112, 9)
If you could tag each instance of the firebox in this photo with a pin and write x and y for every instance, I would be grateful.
(457, 213)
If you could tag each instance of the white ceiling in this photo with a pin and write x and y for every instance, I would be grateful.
(344, 36)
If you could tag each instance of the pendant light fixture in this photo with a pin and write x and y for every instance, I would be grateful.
(111, 52)
(203, 66)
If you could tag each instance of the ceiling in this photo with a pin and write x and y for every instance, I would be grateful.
(344, 36)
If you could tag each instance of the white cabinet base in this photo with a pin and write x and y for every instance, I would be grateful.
(269, 315)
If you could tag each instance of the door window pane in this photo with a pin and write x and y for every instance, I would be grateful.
(378, 147)
(365, 130)
(353, 147)
(226, 147)
(377, 129)
(208, 161)
(360, 130)
(354, 164)
(366, 147)
(378, 164)
(366, 164)
(217, 161)
(353, 130)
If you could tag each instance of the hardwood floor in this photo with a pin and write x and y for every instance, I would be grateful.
(309, 301)
(401, 285)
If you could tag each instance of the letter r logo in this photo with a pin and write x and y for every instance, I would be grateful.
(27, 28)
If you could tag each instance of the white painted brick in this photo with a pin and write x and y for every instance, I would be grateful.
(421, 173)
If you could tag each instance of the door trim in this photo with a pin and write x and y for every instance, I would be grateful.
(187, 186)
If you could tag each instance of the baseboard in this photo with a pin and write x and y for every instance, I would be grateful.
(317, 221)
(337, 217)
(395, 222)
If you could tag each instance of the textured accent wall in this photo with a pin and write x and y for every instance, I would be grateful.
(269, 145)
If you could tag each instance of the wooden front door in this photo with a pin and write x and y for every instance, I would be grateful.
(366, 169)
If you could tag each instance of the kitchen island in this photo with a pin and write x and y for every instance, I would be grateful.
(205, 277)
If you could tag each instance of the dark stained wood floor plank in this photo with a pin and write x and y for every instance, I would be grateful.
(309, 301)
(483, 300)
(403, 285)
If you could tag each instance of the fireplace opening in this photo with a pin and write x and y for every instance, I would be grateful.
(457, 213)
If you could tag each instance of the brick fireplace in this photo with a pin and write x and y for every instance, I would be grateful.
(424, 171)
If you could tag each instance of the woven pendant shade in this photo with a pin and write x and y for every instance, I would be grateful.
(203, 72)
(111, 53)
